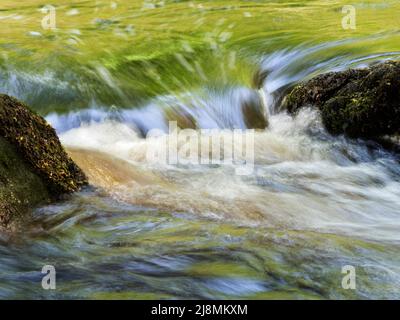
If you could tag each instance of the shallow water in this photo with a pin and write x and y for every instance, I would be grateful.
(113, 71)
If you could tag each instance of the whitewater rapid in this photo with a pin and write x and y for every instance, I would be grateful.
(304, 179)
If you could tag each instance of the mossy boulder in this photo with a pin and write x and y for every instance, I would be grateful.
(34, 167)
(361, 103)
(20, 187)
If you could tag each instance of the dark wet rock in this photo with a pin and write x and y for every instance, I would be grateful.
(20, 187)
(259, 78)
(253, 112)
(184, 120)
(361, 103)
(34, 167)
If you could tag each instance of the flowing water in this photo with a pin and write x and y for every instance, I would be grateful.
(113, 70)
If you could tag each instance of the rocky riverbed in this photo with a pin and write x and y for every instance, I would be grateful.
(35, 168)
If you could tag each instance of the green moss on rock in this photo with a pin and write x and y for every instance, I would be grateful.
(20, 188)
(359, 103)
(34, 167)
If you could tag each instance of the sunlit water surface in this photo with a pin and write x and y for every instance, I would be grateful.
(113, 71)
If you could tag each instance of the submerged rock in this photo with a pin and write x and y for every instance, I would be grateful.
(184, 119)
(359, 103)
(34, 167)
(254, 112)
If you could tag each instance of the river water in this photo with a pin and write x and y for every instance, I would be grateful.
(112, 71)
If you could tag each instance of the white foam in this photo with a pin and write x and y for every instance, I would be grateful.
(299, 182)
